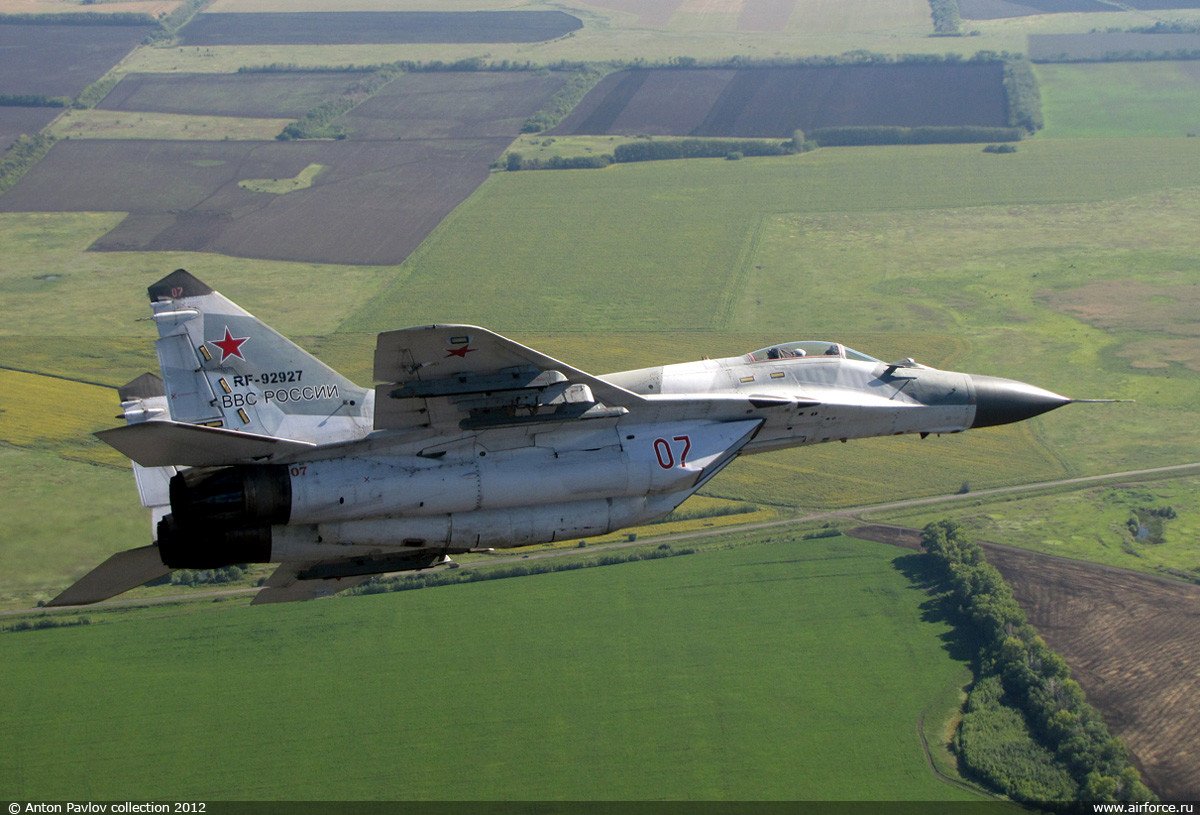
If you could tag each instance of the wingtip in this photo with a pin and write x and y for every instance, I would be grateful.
(177, 285)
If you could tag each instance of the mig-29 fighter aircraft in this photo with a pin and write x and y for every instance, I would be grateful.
(250, 450)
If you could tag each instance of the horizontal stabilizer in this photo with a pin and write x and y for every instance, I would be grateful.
(286, 586)
(120, 573)
(163, 444)
(308, 581)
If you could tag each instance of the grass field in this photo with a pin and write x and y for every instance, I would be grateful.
(1091, 524)
(52, 288)
(281, 186)
(61, 518)
(896, 259)
(1116, 100)
(119, 124)
(721, 675)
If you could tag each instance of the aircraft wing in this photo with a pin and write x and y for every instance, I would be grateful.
(462, 377)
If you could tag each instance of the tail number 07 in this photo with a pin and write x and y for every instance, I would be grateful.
(665, 451)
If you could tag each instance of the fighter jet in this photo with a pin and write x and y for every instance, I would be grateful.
(250, 450)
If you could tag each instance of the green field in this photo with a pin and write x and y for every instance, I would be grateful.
(993, 264)
(786, 670)
(1057, 265)
(1120, 99)
(61, 518)
(119, 124)
(1091, 524)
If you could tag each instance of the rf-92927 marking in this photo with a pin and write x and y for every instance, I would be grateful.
(268, 378)
(470, 441)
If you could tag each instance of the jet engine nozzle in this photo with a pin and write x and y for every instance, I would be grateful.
(211, 548)
(232, 496)
(1002, 401)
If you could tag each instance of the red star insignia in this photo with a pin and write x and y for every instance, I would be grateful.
(231, 346)
(460, 352)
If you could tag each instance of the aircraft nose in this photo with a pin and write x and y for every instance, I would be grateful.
(1000, 401)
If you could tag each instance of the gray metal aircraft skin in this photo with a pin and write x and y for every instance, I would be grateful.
(250, 450)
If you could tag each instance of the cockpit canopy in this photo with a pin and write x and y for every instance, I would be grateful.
(807, 348)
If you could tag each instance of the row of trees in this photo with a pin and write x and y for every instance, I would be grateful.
(24, 153)
(1015, 659)
(1143, 55)
(947, 20)
(1024, 98)
(855, 57)
(661, 150)
(320, 122)
(578, 83)
(32, 100)
(116, 18)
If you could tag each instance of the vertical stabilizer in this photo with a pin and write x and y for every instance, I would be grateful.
(223, 367)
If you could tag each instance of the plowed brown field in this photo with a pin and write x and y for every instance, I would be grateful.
(775, 102)
(1130, 640)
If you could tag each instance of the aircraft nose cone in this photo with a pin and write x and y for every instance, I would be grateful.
(1001, 401)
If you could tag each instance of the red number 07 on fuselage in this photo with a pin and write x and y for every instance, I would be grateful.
(665, 455)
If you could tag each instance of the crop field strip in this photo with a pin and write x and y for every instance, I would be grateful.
(1069, 47)
(1106, 100)
(371, 27)
(775, 102)
(91, 123)
(61, 60)
(999, 9)
(262, 95)
(740, 660)
(454, 105)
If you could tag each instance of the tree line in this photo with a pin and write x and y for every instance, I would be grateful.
(1015, 664)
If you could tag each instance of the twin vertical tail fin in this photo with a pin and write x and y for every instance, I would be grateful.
(223, 367)
(232, 390)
